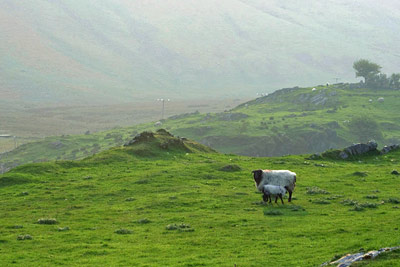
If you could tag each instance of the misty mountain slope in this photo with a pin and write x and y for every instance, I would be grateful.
(123, 50)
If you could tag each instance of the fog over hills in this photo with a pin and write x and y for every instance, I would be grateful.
(119, 50)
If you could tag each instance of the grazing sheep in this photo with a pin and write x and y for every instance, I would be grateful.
(283, 178)
(273, 190)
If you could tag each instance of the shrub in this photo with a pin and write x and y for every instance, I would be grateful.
(320, 165)
(334, 197)
(259, 203)
(171, 227)
(393, 200)
(297, 208)
(273, 212)
(357, 208)
(47, 221)
(322, 201)
(123, 232)
(143, 181)
(369, 205)
(181, 227)
(143, 221)
(349, 202)
(230, 168)
(360, 174)
(360, 206)
(186, 230)
(24, 237)
(316, 190)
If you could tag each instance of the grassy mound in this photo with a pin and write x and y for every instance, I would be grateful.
(148, 144)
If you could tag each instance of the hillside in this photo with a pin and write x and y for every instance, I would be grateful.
(148, 204)
(289, 121)
(298, 120)
(117, 50)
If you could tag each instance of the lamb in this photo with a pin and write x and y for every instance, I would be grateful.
(273, 190)
(283, 178)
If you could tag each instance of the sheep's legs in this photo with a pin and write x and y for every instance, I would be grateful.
(280, 196)
(290, 195)
(266, 198)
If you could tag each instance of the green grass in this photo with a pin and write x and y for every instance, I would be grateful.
(219, 217)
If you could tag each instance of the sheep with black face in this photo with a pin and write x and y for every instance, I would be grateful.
(284, 178)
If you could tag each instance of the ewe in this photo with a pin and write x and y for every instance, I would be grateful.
(284, 178)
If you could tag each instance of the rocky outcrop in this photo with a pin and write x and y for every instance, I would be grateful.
(351, 258)
(387, 149)
(144, 136)
(358, 149)
(320, 98)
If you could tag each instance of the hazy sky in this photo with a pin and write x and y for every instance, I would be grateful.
(123, 50)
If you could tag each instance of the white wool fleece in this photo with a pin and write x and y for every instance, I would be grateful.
(278, 177)
(274, 190)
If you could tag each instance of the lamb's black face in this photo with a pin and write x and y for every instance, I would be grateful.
(257, 176)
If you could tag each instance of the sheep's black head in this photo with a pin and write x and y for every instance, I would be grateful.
(257, 176)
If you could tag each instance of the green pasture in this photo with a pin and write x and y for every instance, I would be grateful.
(154, 205)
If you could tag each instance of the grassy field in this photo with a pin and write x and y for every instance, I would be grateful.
(291, 121)
(168, 202)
